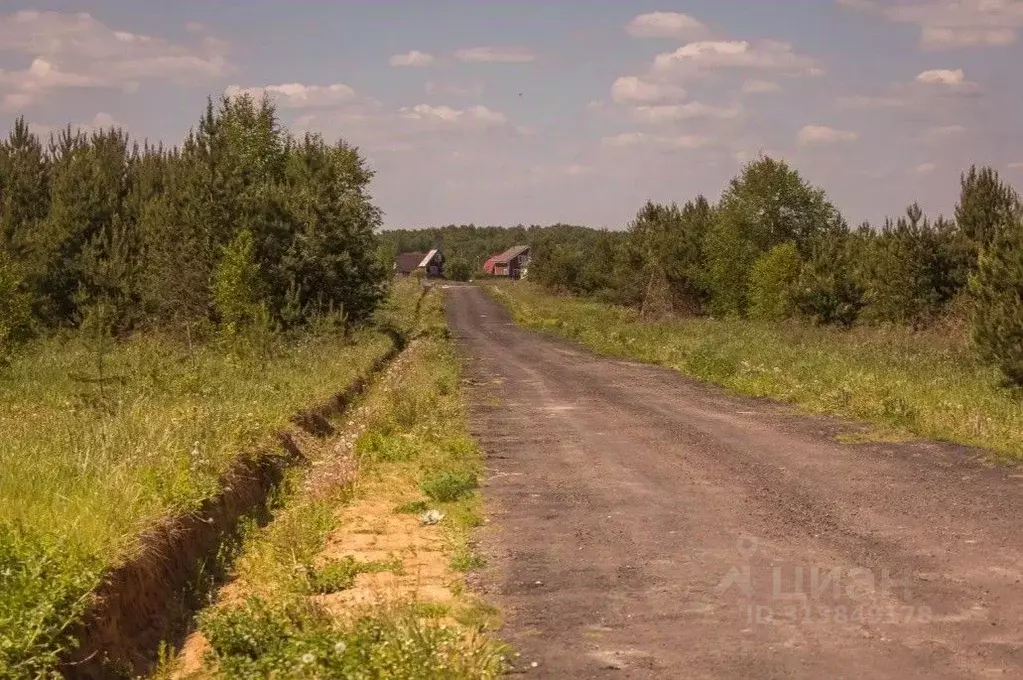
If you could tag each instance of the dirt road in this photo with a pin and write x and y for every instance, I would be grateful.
(643, 525)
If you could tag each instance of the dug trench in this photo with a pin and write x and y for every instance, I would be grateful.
(148, 601)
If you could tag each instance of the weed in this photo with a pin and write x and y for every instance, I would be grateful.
(299, 640)
(412, 508)
(479, 615)
(428, 610)
(465, 560)
(447, 486)
(340, 575)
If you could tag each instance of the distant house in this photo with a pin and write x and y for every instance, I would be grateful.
(432, 263)
(512, 263)
(406, 263)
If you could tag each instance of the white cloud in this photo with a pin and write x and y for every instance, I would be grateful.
(948, 81)
(638, 139)
(814, 135)
(1016, 166)
(446, 116)
(669, 113)
(925, 168)
(942, 77)
(630, 89)
(299, 96)
(413, 58)
(920, 93)
(666, 25)
(947, 24)
(76, 51)
(707, 55)
(495, 55)
(760, 86)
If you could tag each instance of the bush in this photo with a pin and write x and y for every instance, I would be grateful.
(236, 281)
(459, 270)
(998, 289)
(772, 283)
(827, 292)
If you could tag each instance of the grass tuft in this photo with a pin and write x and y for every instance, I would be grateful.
(446, 486)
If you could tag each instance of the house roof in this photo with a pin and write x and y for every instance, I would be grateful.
(510, 254)
(429, 256)
(408, 262)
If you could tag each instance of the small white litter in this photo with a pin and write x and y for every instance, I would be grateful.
(431, 517)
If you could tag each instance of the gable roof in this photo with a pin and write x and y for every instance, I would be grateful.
(429, 256)
(510, 254)
(407, 263)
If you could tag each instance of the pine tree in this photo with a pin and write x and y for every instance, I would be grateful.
(986, 204)
(998, 289)
(896, 271)
(24, 187)
(669, 242)
(331, 255)
(827, 291)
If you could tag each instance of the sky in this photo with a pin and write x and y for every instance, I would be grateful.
(528, 112)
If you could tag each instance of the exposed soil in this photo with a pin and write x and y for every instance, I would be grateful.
(370, 531)
(150, 598)
(648, 526)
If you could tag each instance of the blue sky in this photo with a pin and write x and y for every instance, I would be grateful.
(536, 112)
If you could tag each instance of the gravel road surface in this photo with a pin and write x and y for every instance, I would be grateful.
(642, 525)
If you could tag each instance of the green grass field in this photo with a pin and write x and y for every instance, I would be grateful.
(926, 384)
(85, 466)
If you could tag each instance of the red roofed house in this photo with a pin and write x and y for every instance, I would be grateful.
(512, 263)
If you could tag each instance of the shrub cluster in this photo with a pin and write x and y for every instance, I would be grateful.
(243, 221)
(774, 247)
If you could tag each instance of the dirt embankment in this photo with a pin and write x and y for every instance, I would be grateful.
(150, 598)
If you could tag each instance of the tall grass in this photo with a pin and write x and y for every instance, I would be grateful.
(98, 442)
(926, 384)
(90, 472)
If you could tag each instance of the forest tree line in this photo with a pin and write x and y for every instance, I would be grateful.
(243, 222)
(774, 247)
